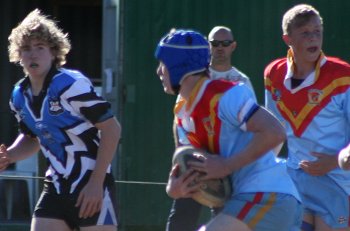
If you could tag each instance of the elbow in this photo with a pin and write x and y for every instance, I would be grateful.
(111, 130)
(280, 136)
(117, 131)
(170, 191)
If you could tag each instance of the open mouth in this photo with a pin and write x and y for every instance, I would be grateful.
(312, 49)
(33, 65)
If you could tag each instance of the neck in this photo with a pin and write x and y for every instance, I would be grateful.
(37, 82)
(221, 67)
(187, 86)
(36, 85)
(303, 69)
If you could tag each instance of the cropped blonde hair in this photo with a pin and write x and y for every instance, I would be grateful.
(298, 16)
(38, 26)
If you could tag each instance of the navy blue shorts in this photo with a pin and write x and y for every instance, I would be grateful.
(62, 207)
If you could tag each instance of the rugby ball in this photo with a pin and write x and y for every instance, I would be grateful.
(344, 158)
(213, 193)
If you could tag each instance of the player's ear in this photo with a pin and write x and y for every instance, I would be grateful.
(286, 39)
(234, 45)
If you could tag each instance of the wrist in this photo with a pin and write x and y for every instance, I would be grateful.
(97, 178)
(170, 192)
(9, 157)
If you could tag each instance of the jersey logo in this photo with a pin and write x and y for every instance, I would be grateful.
(315, 96)
(44, 131)
(55, 107)
(276, 94)
(208, 125)
(342, 220)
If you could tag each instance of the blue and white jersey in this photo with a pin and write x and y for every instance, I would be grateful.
(63, 120)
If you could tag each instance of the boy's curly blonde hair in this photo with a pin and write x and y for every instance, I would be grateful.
(38, 26)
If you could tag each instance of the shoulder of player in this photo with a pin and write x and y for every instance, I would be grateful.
(236, 97)
(221, 84)
(237, 72)
(335, 68)
(337, 63)
(275, 66)
(67, 77)
(337, 60)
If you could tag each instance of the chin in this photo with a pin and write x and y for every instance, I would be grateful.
(313, 57)
(169, 92)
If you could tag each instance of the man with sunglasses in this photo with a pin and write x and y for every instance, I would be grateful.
(222, 46)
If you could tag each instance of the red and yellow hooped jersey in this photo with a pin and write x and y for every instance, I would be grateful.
(203, 122)
(316, 114)
(299, 108)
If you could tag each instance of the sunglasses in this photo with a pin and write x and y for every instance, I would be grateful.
(224, 43)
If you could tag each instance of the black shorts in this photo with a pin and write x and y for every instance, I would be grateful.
(62, 207)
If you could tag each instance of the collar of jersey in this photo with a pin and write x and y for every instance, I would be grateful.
(26, 83)
(310, 79)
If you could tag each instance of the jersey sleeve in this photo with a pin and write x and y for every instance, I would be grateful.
(270, 99)
(22, 127)
(237, 106)
(345, 106)
(83, 99)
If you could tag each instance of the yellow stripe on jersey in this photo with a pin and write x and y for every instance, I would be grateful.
(213, 103)
(327, 91)
(261, 213)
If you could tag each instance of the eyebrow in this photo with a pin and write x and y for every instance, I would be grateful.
(39, 44)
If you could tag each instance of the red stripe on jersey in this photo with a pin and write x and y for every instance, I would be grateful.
(204, 114)
(205, 117)
(249, 205)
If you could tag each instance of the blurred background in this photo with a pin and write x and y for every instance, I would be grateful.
(113, 43)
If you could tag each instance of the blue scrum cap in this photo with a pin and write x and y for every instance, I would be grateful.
(183, 52)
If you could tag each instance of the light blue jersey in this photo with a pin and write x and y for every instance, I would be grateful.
(316, 116)
(222, 130)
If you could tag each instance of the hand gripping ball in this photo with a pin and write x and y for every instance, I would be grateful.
(213, 193)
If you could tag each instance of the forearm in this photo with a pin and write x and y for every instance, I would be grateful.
(267, 134)
(255, 149)
(22, 148)
(110, 135)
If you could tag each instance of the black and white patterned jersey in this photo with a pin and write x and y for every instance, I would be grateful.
(62, 117)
